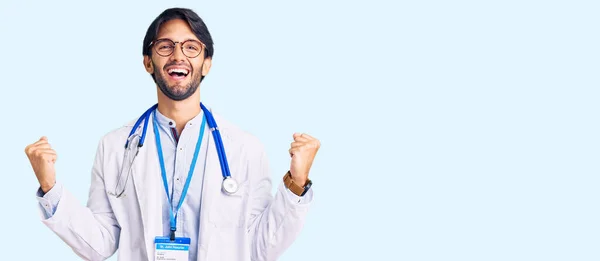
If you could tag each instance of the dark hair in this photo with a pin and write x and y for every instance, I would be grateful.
(195, 22)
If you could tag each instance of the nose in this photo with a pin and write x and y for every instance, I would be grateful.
(178, 53)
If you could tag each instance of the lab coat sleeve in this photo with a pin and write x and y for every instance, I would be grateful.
(275, 221)
(297, 199)
(92, 232)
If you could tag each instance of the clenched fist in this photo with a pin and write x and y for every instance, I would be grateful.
(303, 151)
(42, 158)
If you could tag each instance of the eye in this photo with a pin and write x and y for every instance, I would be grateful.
(165, 47)
(192, 47)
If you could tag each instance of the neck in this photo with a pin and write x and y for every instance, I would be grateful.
(179, 111)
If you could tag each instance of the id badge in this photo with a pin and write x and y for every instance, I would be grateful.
(165, 249)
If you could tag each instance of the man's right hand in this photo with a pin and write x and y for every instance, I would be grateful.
(42, 158)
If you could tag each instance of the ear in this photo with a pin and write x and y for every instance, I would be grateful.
(206, 66)
(148, 64)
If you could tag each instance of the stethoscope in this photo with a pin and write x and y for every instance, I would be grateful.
(135, 142)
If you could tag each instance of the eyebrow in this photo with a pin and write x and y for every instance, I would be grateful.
(188, 39)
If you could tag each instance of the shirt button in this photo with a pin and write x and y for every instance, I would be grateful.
(180, 149)
(170, 123)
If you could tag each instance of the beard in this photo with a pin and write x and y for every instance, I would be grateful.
(177, 92)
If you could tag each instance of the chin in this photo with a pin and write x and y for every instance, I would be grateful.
(178, 90)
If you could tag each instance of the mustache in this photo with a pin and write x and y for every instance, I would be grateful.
(188, 66)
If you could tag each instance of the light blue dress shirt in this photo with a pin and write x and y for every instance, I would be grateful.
(178, 151)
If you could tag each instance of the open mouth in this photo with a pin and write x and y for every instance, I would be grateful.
(178, 73)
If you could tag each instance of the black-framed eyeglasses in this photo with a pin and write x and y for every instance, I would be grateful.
(165, 47)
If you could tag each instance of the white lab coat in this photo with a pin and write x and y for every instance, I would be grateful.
(249, 225)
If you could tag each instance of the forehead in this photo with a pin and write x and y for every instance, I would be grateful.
(176, 30)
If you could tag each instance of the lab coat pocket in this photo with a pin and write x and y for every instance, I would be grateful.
(228, 210)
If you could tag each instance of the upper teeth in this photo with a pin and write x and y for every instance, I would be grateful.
(177, 70)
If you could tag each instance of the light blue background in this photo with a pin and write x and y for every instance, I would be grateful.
(451, 130)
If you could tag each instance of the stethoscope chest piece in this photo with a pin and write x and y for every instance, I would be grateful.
(230, 186)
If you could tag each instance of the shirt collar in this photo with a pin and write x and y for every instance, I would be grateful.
(166, 122)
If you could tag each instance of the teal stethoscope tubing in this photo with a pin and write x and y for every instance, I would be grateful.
(211, 124)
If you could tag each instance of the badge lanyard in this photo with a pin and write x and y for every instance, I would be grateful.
(173, 214)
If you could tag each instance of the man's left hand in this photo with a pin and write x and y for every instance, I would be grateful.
(303, 151)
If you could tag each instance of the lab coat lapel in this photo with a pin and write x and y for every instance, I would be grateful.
(146, 179)
(211, 185)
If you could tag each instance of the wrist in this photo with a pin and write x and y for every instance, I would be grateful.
(297, 187)
(47, 186)
(299, 181)
(299, 178)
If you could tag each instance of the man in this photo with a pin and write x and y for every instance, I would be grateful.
(171, 198)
